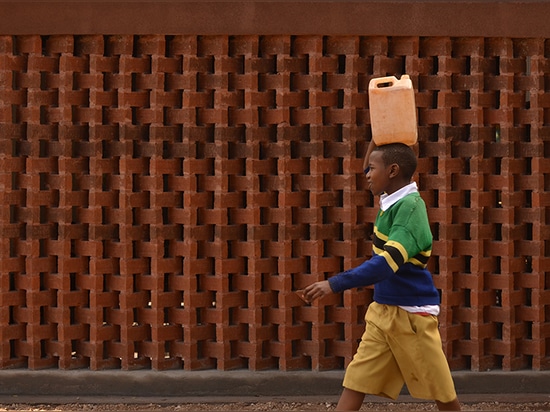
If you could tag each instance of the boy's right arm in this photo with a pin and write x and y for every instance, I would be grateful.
(367, 155)
(368, 273)
(317, 290)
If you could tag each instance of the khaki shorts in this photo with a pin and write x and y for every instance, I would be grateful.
(400, 347)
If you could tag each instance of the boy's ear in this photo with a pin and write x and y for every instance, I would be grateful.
(394, 170)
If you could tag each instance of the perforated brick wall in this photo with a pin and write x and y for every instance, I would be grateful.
(165, 196)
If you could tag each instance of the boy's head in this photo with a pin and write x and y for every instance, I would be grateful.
(391, 167)
(400, 154)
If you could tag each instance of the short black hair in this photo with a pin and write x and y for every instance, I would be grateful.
(401, 154)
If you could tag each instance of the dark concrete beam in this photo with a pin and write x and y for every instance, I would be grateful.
(307, 17)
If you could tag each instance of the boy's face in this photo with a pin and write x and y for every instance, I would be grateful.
(378, 176)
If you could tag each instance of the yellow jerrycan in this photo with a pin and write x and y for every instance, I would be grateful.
(392, 110)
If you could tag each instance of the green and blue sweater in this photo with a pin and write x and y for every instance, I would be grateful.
(402, 245)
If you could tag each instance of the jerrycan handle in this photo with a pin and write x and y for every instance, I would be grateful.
(388, 81)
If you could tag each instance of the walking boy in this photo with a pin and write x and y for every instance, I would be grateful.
(401, 343)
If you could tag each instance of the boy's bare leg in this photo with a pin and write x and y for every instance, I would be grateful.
(350, 400)
(449, 406)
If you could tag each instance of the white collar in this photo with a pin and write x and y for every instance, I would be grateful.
(388, 200)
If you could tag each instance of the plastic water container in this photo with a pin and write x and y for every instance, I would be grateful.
(392, 110)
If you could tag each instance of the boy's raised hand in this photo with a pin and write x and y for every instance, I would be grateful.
(316, 290)
(370, 148)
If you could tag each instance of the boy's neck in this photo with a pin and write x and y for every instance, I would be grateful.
(397, 185)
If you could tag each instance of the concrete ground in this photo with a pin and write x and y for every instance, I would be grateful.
(242, 387)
